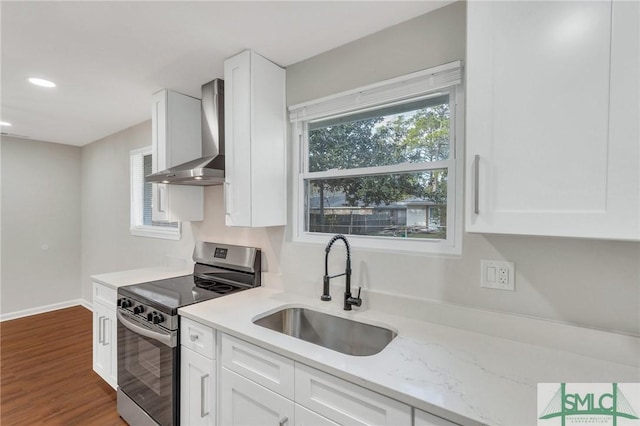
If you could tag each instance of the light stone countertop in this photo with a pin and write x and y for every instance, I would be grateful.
(135, 276)
(464, 376)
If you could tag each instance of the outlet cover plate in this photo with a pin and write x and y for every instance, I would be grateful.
(497, 274)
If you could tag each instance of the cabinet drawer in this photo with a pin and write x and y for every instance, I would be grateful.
(346, 403)
(104, 294)
(272, 371)
(197, 337)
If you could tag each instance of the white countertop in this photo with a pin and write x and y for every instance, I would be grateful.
(135, 276)
(464, 376)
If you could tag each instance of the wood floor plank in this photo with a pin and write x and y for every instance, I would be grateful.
(46, 372)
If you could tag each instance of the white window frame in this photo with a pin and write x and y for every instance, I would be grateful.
(137, 226)
(423, 84)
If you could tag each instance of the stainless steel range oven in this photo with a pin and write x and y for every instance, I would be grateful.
(148, 334)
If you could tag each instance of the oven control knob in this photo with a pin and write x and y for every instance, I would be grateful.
(138, 309)
(157, 318)
(126, 303)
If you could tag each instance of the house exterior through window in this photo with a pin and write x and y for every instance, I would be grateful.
(380, 164)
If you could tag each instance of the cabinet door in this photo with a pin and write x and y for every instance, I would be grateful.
(159, 194)
(176, 138)
(104, 343)
(255, 138)
(197, 385)
(243, 402)
(268, 143)
(541, 158)
(237, 127)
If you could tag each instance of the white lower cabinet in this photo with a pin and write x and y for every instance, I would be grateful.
(197, 389)
(260, 387)
(105, 334)
(244, 402)
(197, 374)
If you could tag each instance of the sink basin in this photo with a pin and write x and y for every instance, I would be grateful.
(340, 334)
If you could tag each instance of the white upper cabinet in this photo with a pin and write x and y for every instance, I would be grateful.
(552, 119)
(255, 138)
(176, 138)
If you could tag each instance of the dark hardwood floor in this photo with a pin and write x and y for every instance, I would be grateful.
(46, 375)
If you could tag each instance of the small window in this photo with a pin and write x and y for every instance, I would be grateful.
(141, 207)
(385, 173)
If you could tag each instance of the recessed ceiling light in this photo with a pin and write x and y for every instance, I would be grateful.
(5, 123)
(41, 82)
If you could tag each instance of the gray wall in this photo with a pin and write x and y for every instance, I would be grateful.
(107, 245)
(40, 224)
(594, 283)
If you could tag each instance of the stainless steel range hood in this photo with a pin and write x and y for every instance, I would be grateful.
(209, 169)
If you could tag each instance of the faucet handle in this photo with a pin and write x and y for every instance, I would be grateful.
(353, 301)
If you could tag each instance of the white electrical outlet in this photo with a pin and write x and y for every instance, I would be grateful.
(497, 274)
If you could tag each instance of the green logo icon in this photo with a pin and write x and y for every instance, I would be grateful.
(566, 404)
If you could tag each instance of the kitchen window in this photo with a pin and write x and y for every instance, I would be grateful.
(141, 221)
(382, 164)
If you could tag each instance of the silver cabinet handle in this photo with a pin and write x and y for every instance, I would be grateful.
(203, 400)
(283, 421)
(193, 337)
(104, 331)
(476, 184)
(161, 198)
(227, 198)
(101, 330)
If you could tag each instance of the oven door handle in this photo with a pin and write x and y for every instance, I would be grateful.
(167, 339)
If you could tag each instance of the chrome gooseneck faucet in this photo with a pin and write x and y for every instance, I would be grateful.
(348, 299)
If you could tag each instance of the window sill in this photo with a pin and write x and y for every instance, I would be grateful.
(156, 232)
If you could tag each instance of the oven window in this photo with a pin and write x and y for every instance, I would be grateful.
(147, 373)
(145, 364)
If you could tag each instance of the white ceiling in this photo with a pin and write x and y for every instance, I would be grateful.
(108, 57)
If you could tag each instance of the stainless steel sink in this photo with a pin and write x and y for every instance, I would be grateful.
(340, 334)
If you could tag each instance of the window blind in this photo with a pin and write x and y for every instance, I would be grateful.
(416, 85)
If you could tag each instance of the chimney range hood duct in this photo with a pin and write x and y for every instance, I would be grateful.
(209, 169)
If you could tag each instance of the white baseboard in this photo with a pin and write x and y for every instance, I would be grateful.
(43, 309)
